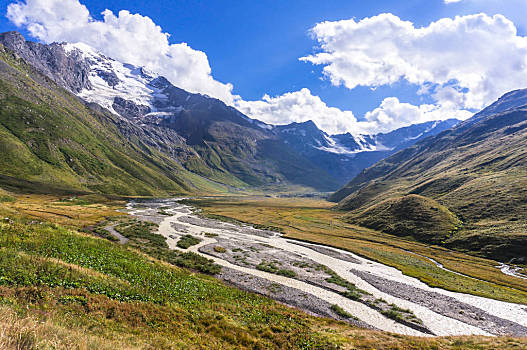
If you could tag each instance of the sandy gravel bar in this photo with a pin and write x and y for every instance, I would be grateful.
(446, 305)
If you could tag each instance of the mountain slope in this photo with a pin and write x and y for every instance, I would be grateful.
(53, 140)
(205, 138)
(478, 170)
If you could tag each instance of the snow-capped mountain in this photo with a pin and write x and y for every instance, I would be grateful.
(145, 97)
(307, 136)
(137, 93)
(203, 133)
(343, 155)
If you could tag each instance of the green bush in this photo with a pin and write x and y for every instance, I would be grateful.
(5, 198)
(341, 312)
(187, 241)
(219, 249)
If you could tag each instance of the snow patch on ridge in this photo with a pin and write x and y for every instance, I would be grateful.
(133, 82)
(363, 146)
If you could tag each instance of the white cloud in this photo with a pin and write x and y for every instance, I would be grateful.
(130, 38)
(301, 106)
(452, 1)
(393, 114)
(468, 60)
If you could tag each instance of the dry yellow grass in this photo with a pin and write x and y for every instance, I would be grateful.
(32, 332)
(46, 331)
(76, 212)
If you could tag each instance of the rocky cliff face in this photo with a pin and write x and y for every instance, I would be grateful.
(70, 71)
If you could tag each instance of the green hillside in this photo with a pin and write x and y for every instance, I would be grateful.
(477, 171)
(61, 288)
(53, 141)
(421, 217)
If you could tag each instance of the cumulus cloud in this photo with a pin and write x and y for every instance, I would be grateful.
(469, 60)
(131, 38)
(301, 106)
(393, 114)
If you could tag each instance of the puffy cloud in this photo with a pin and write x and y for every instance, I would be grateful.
(131, 38)
(393, 114)
(469, 60)
(301, 106)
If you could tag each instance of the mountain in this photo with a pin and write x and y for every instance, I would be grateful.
(475, 172)
(201, 135)
(346, 155)
(210, 143)
(51, 140)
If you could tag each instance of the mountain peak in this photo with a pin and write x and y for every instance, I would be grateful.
(51, 60)
(307, 124)
(12, 38)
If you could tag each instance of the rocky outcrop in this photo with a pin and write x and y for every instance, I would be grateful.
(69, 71)
(129, 109)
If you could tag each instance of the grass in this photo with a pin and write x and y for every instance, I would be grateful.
(399, 314)
(272, 268)
(52, 208)
(61, 289)
(412, 215)
(314, 221)
(72, 270)
(6, 198)
(103, 233)
(187, 241)
(141, 230)
(219, 249)
(478, 172)
(341, 312)
(142, 238)
(352, 292)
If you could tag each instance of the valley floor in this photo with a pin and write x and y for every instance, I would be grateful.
(314, 221)
(121, 285)
(316, 278)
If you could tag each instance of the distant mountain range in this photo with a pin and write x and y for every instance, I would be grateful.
(198, 142)
(345, 155)
(465, 188)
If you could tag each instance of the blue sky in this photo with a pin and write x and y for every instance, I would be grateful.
(256, 45)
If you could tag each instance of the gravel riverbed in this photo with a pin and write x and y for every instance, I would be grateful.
(243, 248)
